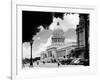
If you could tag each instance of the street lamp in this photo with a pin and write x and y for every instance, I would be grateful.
(31, 61)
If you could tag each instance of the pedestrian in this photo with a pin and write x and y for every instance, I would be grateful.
(37, 63)
(58, 64)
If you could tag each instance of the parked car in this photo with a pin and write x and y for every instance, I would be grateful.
(66, 61)
(79, 61)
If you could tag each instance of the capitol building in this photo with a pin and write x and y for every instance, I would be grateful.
(59, 48)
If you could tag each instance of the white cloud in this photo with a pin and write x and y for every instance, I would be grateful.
(70, 40)
(71, 18)
(41, 47)
(69, 21)
(53, 24)
(38, 38)
(41, 27)
(26, 50)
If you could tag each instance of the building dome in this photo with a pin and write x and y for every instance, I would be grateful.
(58, 37)
(58, 33)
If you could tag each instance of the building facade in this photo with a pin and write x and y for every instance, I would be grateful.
(58, 49)
(82, 31)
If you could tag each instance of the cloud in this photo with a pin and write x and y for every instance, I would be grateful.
(72, 19)
(42, 47)
(26, 50)
(54, 25)
(68, 21)
(71, 34)
(41, 27)
(70, 40)
(38, 38)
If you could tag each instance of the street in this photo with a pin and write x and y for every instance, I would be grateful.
(48, 65)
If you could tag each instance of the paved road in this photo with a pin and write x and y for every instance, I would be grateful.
(45, 65)
(49, 65)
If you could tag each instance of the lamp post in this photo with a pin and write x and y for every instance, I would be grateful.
(31, 61)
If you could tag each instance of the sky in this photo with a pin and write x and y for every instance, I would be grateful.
(41, 31)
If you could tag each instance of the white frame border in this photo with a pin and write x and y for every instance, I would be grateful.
(15, 61)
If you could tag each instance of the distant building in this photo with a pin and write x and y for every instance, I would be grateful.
(58, 48)
(43, 54)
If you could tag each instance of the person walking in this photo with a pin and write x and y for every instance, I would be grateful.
(58, 64)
